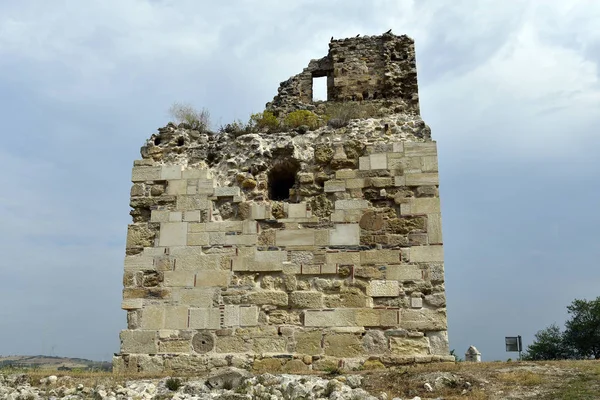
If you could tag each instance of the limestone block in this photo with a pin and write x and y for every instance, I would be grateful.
(193, 202)
(412, 149)
(335, 185)
(343, 345)
(231, 315)
(424, 205)
(429, 164)
(378, 161)
(364, 163)
(175, 216)
(132, 304)
(198, 239)
(170, 172)
(138, 341)
(398, 147)
(195, 173)
(191, 216)
(142, 174)
(271, 256)
(159, 215)
(189, 261)
(197, 227)
(139, 262)
(298, 237)
(224, 226)
(195, 297)
(380, 288)
(241, 240)
(248, 316)
(152, 317)
(174, 346)
(381, 182)
(329, 318)
(409, 346)
(216, 238)
(389, 317)
(309, 342)
(423, 319)
(258, 211)
(344, 235)
(263, 297)
(421, 179)
(249, 227)
(177, 187)
(426, 253)
(206, 187)
(176, 317)
(404, 273)
(139, 235)
(178, 279)
(367, 317)
(343, 258)
(338, 216)
(355, 204)
(399, 181)
(231, 344)
(306, 299)
(310, 269)
(297, 210)
(416, 302)
(434, 228)
(345, 174)
(380, 257)
(438, 342)
(227, 191)
(205, 318)
(173, 234)
(212, 278)
(355, 183)
(269, 345)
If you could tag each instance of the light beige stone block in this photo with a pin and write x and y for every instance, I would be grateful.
(416, 302)
(139, 262)
(409, 346)
(338, 216)
(271, 256)
(423, 319)
(132, 304)
(206, 186)
(193, 202)
(379, 257)
(335, 185)
(178, 279)
(404, 273)
(227, 191)
(345, 235)
(212, 278)
(298, 237)
(173, 234)
(152, 317)
(355, 204)
(364, 163)
(248, 315)
(421, 179)
(427, 253)
(160, 215)
(189, 261)
(399, 181)
(170, 172)
(424, 205)
(175, 216)
(231, 315)
(241, 240)
(297, 210)
(197, 227)
(216, 238)
(143, 174)
(138, 341)
(195, 297)
(434, 228)
(420, 149)
(345, 174)
(379, 288)
(355, 183)
(398, 147)
(195, 173)
(378, 161)
(176, 317)
(343, 258)
(429, 164)
(205, 318)
(249, 227)
(191, 216)
(329, 318)
(258, 211)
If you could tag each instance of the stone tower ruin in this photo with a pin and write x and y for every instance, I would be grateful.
(299, 248)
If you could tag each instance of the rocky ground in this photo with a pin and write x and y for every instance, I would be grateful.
(497, 380)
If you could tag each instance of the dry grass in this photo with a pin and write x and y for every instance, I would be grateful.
(523, 378)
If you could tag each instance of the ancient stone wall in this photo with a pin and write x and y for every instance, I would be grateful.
(286, 251)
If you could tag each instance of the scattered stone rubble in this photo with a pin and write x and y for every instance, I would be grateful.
(292, 251)
(230, 384)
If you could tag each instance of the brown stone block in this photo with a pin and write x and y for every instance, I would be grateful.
(309, 342)
(343, 345)
(270, 365)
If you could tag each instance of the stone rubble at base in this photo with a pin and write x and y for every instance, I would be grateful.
(346, 271)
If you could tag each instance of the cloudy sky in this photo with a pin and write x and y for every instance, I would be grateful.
(510, 89)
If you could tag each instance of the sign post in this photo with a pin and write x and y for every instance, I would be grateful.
(514, 343)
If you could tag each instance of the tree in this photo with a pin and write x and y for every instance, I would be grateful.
(187, 114)
(582, 331)
(549, 344)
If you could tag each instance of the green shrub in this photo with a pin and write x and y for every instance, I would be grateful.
(237, 128)
(299, 118)
(173, 384)
(338, 114)
(187, 114)
(265, 120)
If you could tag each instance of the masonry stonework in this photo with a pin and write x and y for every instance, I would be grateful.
(345, 268)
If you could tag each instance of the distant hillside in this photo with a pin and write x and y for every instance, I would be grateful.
(53, 363)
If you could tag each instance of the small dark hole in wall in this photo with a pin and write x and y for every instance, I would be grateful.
(180, 141)
(157, 141)
(282, 178)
